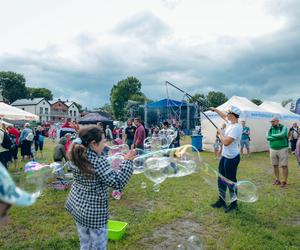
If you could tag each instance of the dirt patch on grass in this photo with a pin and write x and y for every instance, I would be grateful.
(177, 232)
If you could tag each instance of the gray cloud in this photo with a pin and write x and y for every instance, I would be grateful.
(266, 67)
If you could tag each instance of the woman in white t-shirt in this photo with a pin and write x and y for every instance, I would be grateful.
(230, 156)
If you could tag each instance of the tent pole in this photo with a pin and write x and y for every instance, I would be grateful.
(145, 114)
(191, 97)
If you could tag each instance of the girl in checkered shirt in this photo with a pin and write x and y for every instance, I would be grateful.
(87, 201)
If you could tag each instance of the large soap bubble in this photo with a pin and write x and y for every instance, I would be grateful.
(183, 161)
(247, 191)
(115, 161)
(24, 188)
(118, 149)
(155, 169)
(159, 141)
(243, 190)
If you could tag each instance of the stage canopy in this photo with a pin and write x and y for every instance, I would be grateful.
(167, 103)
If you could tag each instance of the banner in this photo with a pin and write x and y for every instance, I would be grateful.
(297, 107)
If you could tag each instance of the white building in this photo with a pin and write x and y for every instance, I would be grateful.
(73, 111)
(38, 106)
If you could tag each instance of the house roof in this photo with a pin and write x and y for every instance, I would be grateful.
(69, 104)
(55, 101)
(24, 102)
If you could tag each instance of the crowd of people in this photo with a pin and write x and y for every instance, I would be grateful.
(85, 148)
(28, 140)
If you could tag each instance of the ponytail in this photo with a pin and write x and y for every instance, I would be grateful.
(78, 151)
(78, 157)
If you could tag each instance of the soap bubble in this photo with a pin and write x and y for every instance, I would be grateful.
(143, 185)
(183, 160)
(247, 191)
(57, 168)
(32, 182)
(33, 166)
(159, 141)
(243, 190)
(156, 188)
(118, 149)
(194, 243)
(139, 160)
(115, 161)
(155, 169)
(167, 136)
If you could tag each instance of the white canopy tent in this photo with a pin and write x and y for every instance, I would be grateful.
(286, 116)
(257, 119)
(11, 113)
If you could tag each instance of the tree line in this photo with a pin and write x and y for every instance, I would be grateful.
(13, 87)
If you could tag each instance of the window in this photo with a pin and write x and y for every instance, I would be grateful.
(23, 108)
(70, 112)
(74, 113)
(46, 111)
(44, 103)
(41, 110)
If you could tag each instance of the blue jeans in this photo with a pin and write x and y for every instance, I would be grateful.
(129, 142)
(92, 239)
(228, 169)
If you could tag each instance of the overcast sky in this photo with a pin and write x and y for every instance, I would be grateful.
(79, 49)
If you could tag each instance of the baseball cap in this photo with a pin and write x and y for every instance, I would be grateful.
(234, 110)
(274, 118)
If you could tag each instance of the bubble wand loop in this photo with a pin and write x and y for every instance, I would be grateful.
(192, 98)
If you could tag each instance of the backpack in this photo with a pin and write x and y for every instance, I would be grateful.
(13, 139)
(30, 136)
(6, 143)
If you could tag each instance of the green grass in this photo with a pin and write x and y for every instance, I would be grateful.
(166, 218)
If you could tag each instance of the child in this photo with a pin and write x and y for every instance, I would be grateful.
(60, 154)
(69, 141)
(217, 146)
(297, 151)
(87, 201)
(116, 194)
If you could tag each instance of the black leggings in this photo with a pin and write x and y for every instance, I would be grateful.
(228, 169)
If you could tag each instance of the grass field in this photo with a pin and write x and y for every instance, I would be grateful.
(165, 219)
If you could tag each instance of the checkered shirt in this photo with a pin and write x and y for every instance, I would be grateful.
(87, 201)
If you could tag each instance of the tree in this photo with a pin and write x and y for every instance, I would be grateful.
(40, 92)
(215, 98)
(12, 86)
(256, 101)
(125, 90)
(285, 102)
(106, 108)
(79, 107)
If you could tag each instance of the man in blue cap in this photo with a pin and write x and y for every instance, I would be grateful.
(230, 157)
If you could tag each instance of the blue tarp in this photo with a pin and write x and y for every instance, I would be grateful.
(166, 103)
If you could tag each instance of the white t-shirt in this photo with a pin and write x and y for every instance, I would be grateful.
(234, 131)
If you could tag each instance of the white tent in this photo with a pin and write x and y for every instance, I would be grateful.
(257, 119)
(12, 113)
(286, 116)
